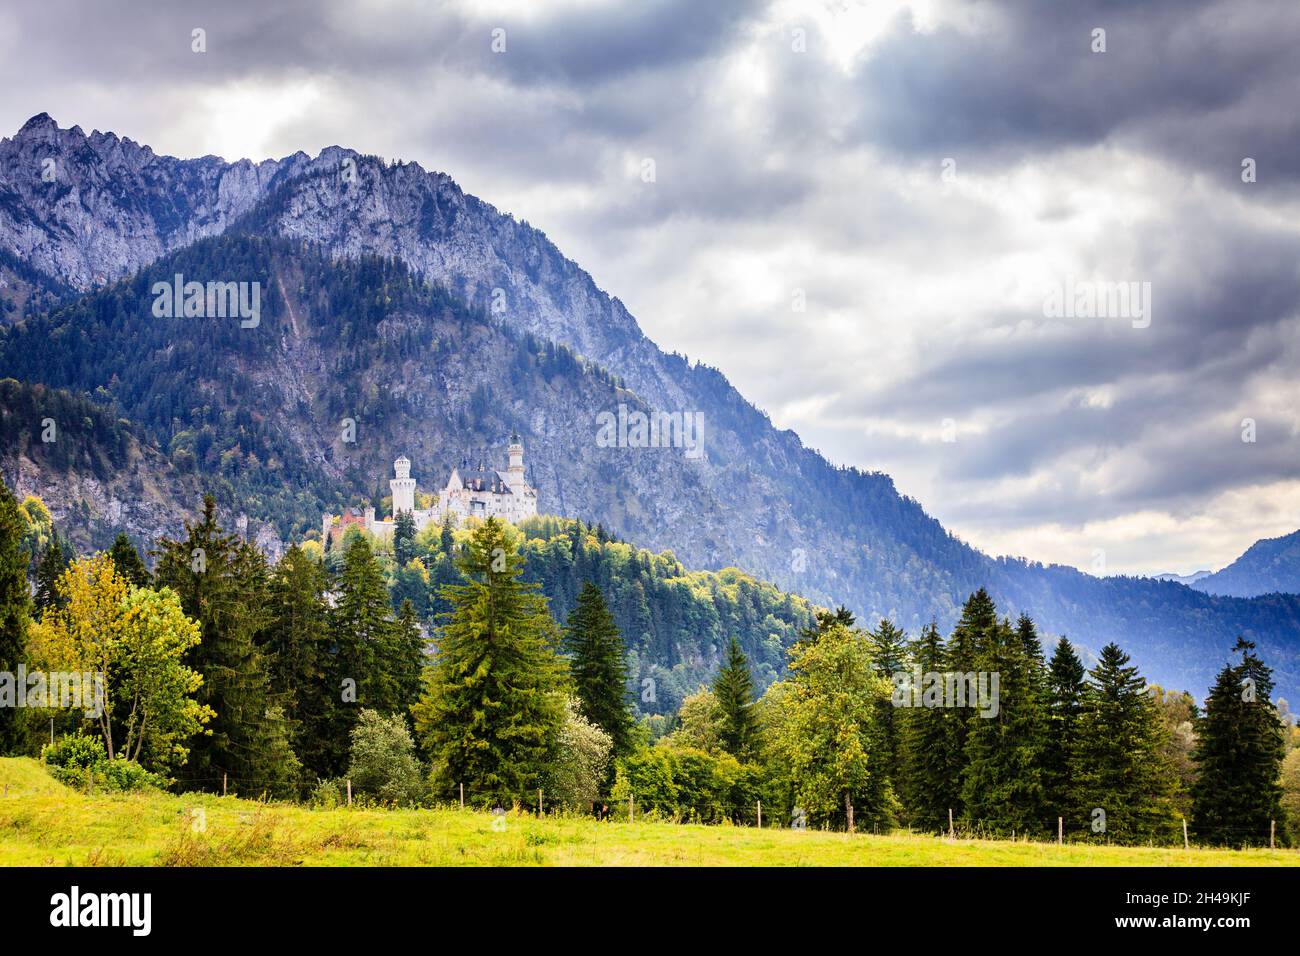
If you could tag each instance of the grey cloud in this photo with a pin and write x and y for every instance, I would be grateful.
(1204, 82)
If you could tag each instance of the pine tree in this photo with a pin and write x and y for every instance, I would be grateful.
(360, 672)
(297, 643)
(1124, 782)
(49, 568)
(15, 613)
(1002, 787)
(825, 621)
(599, 667)
(1030, 643)
(1064, 701)
(1239, 753)
(889, 652)
(494, 700)
(973, 635)
(930, 761)
(128, 562)
(221, 582)
(733, 689)
(406, 659)
(403, 538)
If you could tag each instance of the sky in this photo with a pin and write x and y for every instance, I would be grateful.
(867, 215)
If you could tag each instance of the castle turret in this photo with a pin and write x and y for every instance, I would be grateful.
(515, 472)
(403, 487)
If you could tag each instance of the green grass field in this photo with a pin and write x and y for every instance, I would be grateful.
(43, 823)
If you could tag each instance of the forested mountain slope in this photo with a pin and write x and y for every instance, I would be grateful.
(1269, 566)
(382, 317)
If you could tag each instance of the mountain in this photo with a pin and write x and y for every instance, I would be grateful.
(97, 474)
(1188, 579)
(1269, 566)
(439, 325)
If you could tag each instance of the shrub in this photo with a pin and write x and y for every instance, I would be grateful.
(123, 775)
(383, 765)
(328, 793)
(689, 784)
(69, 760)
(74, 752)
(577, 766)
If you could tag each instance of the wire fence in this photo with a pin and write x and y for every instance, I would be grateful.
(627, 808)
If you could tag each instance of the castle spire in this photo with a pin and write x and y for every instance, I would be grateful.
(515, 472)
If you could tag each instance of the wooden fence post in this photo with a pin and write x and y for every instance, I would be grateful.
(539, 801)
(462, 796)
(223, 784)
(1060, 830)
(1186, 845)
(1272, 828)
(951, 835)
(631, 808)
(349, 791)
(760, 811)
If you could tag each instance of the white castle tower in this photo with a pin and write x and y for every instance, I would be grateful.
(403, 487)
(515, 472)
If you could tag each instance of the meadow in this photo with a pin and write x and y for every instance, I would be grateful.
(44, 823)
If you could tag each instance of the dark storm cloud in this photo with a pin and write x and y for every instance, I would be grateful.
(574, 46)
(1204, 83)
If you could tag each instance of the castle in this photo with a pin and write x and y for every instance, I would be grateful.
(477, 493)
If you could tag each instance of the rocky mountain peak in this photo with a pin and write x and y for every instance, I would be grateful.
(41, 122)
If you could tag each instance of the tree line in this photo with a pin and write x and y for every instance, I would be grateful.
(285, 679)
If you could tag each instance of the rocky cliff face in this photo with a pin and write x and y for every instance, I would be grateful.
(85, 210)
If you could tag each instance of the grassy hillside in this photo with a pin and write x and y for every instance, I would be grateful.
(44, 824)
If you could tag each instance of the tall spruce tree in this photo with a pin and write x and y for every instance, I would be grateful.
(493, 704)
(128, 562)
(15, 614)
(891, 657)
(221, 582)
(733, 689)
(406, 660)
(1002, 787)
(1239, 752)
(297, 641)
(1123, 779)
(54, 560)
(403, 538)
(1065, 677)
(362, 660)
(930, 759)
(974, 633)
(598, 665)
